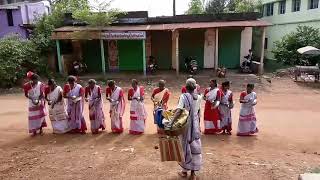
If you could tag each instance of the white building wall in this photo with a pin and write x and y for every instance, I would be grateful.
(209, 48)
(246, 42)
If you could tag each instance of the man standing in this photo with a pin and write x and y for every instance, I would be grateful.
(34, 91)
(115, 96)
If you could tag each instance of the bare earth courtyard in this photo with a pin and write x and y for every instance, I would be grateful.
(288, 143)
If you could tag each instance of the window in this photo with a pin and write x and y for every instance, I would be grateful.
(265, 43)
(296, 5)
(313, 4)
(269, 9)
(282, 7)
(9, 17)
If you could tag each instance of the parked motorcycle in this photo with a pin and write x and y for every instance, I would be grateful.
(152, 65)
(245, 66)
(79, 68)
(191, 65)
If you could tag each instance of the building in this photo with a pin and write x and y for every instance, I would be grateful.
(213, 40)
(19, 17)
(285, 16)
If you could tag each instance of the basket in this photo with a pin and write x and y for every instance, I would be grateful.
(179, 126)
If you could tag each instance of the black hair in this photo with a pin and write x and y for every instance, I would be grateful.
(250, 85)
(35, 77)
(111, 83)
(92, 81)
(135, 81)
(190, 87)
(51, 82)
(215, 82)
(71, 79)
(226, 83)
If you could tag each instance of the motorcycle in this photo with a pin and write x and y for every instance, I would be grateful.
(152, 65)
(245, 66)
(191, 65)
(79, 68)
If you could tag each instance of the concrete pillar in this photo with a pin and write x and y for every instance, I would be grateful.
(216, 59)
(103, 60)
(261, 69)
(209, 48)
(59, 57)
(246, 42)
(144, 57)
(175, 51)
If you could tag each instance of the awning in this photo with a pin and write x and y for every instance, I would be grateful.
(87, 32)
(309, 50)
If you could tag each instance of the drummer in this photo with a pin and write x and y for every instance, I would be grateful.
(160, 97)
(212, 95)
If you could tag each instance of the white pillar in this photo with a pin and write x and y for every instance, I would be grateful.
(216, 59)
(261, 69)
(246, 42)
(175, 50)
(209, 48)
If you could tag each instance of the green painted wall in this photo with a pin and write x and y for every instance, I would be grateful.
(283, 24)
(161, 48)
(229, 47)
(191, 43)
(92, 55)
(130, 55)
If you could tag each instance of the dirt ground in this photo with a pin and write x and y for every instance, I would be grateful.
(288, 143)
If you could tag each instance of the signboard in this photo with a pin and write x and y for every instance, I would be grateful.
(129, 35)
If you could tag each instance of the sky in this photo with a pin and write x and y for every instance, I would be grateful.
(154, 7)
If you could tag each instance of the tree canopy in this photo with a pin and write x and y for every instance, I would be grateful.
(285, 50)
(196, 7)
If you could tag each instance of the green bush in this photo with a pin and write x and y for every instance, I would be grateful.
(285, 50)
(17, 56)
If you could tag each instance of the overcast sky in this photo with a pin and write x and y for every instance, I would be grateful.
(155, 7)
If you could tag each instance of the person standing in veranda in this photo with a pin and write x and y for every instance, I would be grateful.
(57, 108)
(225, 107)
(138, 114)
(247, 124)
(190, 139)
(96, 114)
(160, 97)
(212, 118)
(74, 93)
(115, 96)
(34, 91)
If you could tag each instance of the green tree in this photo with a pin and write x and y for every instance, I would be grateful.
(17, 55)
(247, 6)
(195, 7)
(285, 50)
(215, 6)
(99, 14)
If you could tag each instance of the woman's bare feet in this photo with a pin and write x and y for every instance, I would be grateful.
(41, 132)
(183, 174)
(193, 176)
(34, 134)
